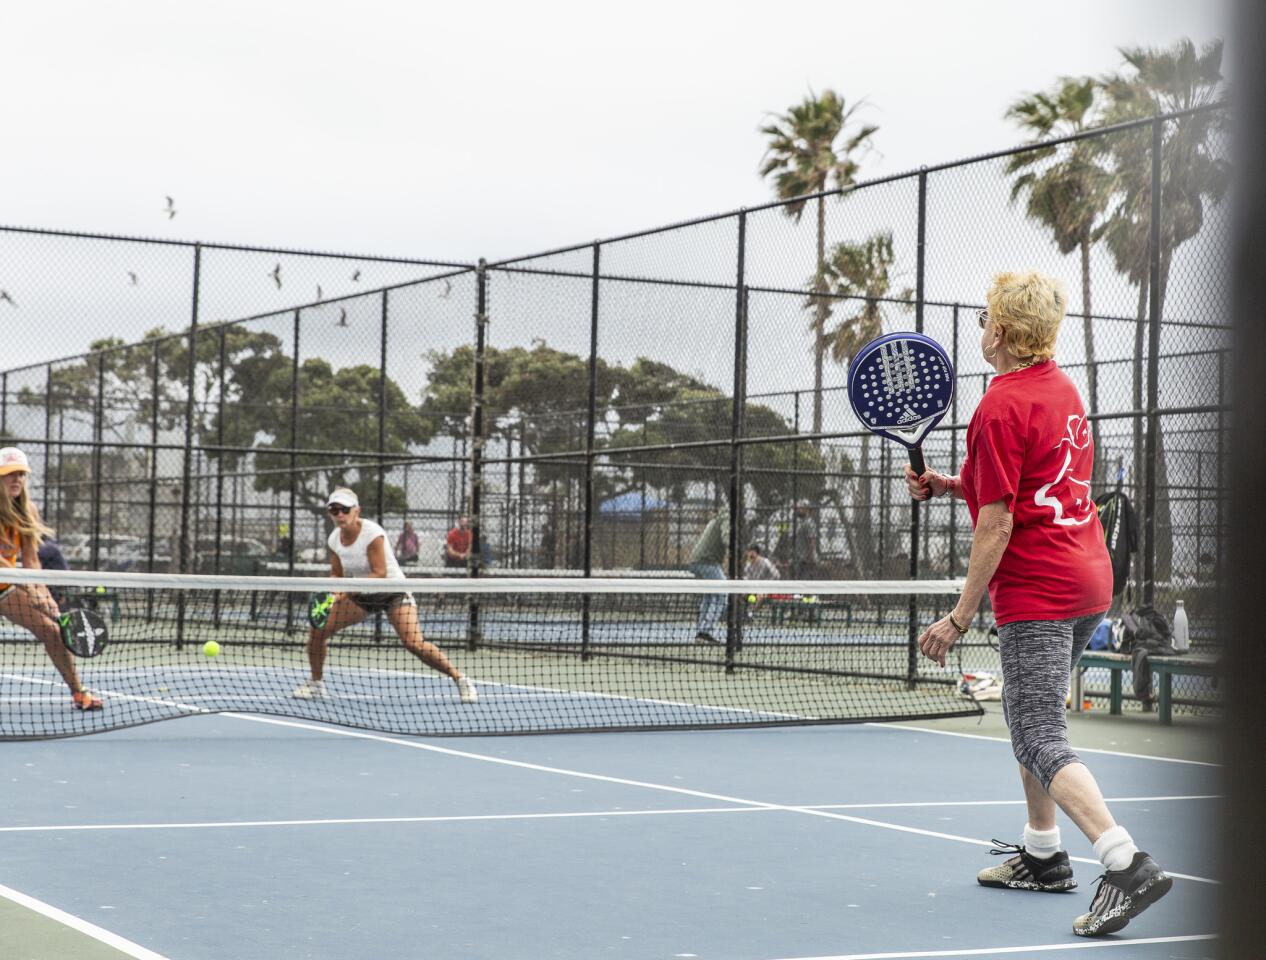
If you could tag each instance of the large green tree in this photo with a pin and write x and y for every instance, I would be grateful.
(1067, 190)
(812, 146)
(1193, 174)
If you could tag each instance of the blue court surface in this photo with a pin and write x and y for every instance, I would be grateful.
(253, 838)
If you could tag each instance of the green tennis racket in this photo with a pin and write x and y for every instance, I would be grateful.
(319, 607)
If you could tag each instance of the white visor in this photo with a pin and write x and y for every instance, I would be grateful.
(344, 498)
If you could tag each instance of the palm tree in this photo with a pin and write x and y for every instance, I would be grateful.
(1163, 81)
(860, 274)
(1069, 196)
(810, 146)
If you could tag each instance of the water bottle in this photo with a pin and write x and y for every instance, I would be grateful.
(1182, 641)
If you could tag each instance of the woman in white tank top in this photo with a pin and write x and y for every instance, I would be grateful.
(359, 549)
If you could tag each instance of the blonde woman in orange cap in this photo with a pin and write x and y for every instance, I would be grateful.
(31, 606)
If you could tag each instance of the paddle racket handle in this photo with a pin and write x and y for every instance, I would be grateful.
(916, 461)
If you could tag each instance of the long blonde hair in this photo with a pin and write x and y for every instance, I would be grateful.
(20, 515)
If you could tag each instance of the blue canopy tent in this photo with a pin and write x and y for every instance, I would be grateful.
(630, 506)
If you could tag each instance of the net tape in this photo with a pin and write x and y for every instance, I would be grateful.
(543, 654)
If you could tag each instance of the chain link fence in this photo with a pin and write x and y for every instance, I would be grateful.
(593, 408)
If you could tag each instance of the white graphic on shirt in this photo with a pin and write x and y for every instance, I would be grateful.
(1077, 437)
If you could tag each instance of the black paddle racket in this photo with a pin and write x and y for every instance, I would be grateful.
(900, 386)
(84, 632)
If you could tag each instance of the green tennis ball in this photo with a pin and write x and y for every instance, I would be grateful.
(751, 598)
(211, 648)
(100, 589)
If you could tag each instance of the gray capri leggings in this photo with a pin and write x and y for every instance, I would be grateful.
(1037, 662)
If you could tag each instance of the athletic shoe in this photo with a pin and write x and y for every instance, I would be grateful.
(85, 699)
(1122, 896)
(1025, 872)
(467, 690)
(706, 638)
(310, 690)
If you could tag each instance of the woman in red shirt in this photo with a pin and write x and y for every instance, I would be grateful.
(1039, 550)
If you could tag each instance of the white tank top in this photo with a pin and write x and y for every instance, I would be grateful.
(355, 558)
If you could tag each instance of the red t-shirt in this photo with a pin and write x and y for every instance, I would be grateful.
(459, 540)
(1029, 444)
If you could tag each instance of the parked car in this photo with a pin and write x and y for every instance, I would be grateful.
(74, 547)
(240, 556)
(78, 552)
(135, 556)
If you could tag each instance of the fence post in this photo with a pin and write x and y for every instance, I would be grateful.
(477, 447)
(4, 403)
(382, 409)
(186, 468)
(152, 519)
(48, 435)
(222, 357)
(953, 501)
(912, 635)
(382, 442)
(294, 457)
(591, 415)
(98, 436)
(733, 615)
(1153, 369)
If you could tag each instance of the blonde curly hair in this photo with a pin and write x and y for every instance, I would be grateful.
(1028, 308)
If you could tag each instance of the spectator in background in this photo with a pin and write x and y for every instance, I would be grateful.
(457, 543)
(757, 566)
(407, 544)
(707, 562)
(797, 548)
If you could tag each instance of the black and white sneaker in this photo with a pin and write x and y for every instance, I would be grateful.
(1122, 896)
(1025, 872)
(706, 638)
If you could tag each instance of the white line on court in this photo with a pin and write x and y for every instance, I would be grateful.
(560, 815)
(667, 788)
(981, 736)
(993, 951)
(122, 944)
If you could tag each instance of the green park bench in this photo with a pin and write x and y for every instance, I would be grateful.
(1165, 668)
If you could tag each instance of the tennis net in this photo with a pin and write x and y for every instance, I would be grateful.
(537, 655)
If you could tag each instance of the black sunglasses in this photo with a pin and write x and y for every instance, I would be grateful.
(337, 508)
(982, 317)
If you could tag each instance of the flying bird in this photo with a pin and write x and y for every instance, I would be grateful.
(5, 298)
(448, 288)
(276, 274)
(356, 277)
(133, 277)
(342, 317)
(170, 209)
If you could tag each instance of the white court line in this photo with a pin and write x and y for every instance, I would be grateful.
(122, 944)
(992, 951)
(457, 818)
(981, 736)
(623, 781)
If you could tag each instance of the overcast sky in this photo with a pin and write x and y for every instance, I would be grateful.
(459, 130)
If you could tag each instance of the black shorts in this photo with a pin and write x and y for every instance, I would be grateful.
(379, 602)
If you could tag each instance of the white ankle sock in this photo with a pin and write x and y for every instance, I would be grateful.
(1041, 844)
(1115, 849)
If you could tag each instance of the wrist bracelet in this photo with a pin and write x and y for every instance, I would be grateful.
(956, 625)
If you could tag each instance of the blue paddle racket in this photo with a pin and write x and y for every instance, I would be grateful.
(900, 386)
